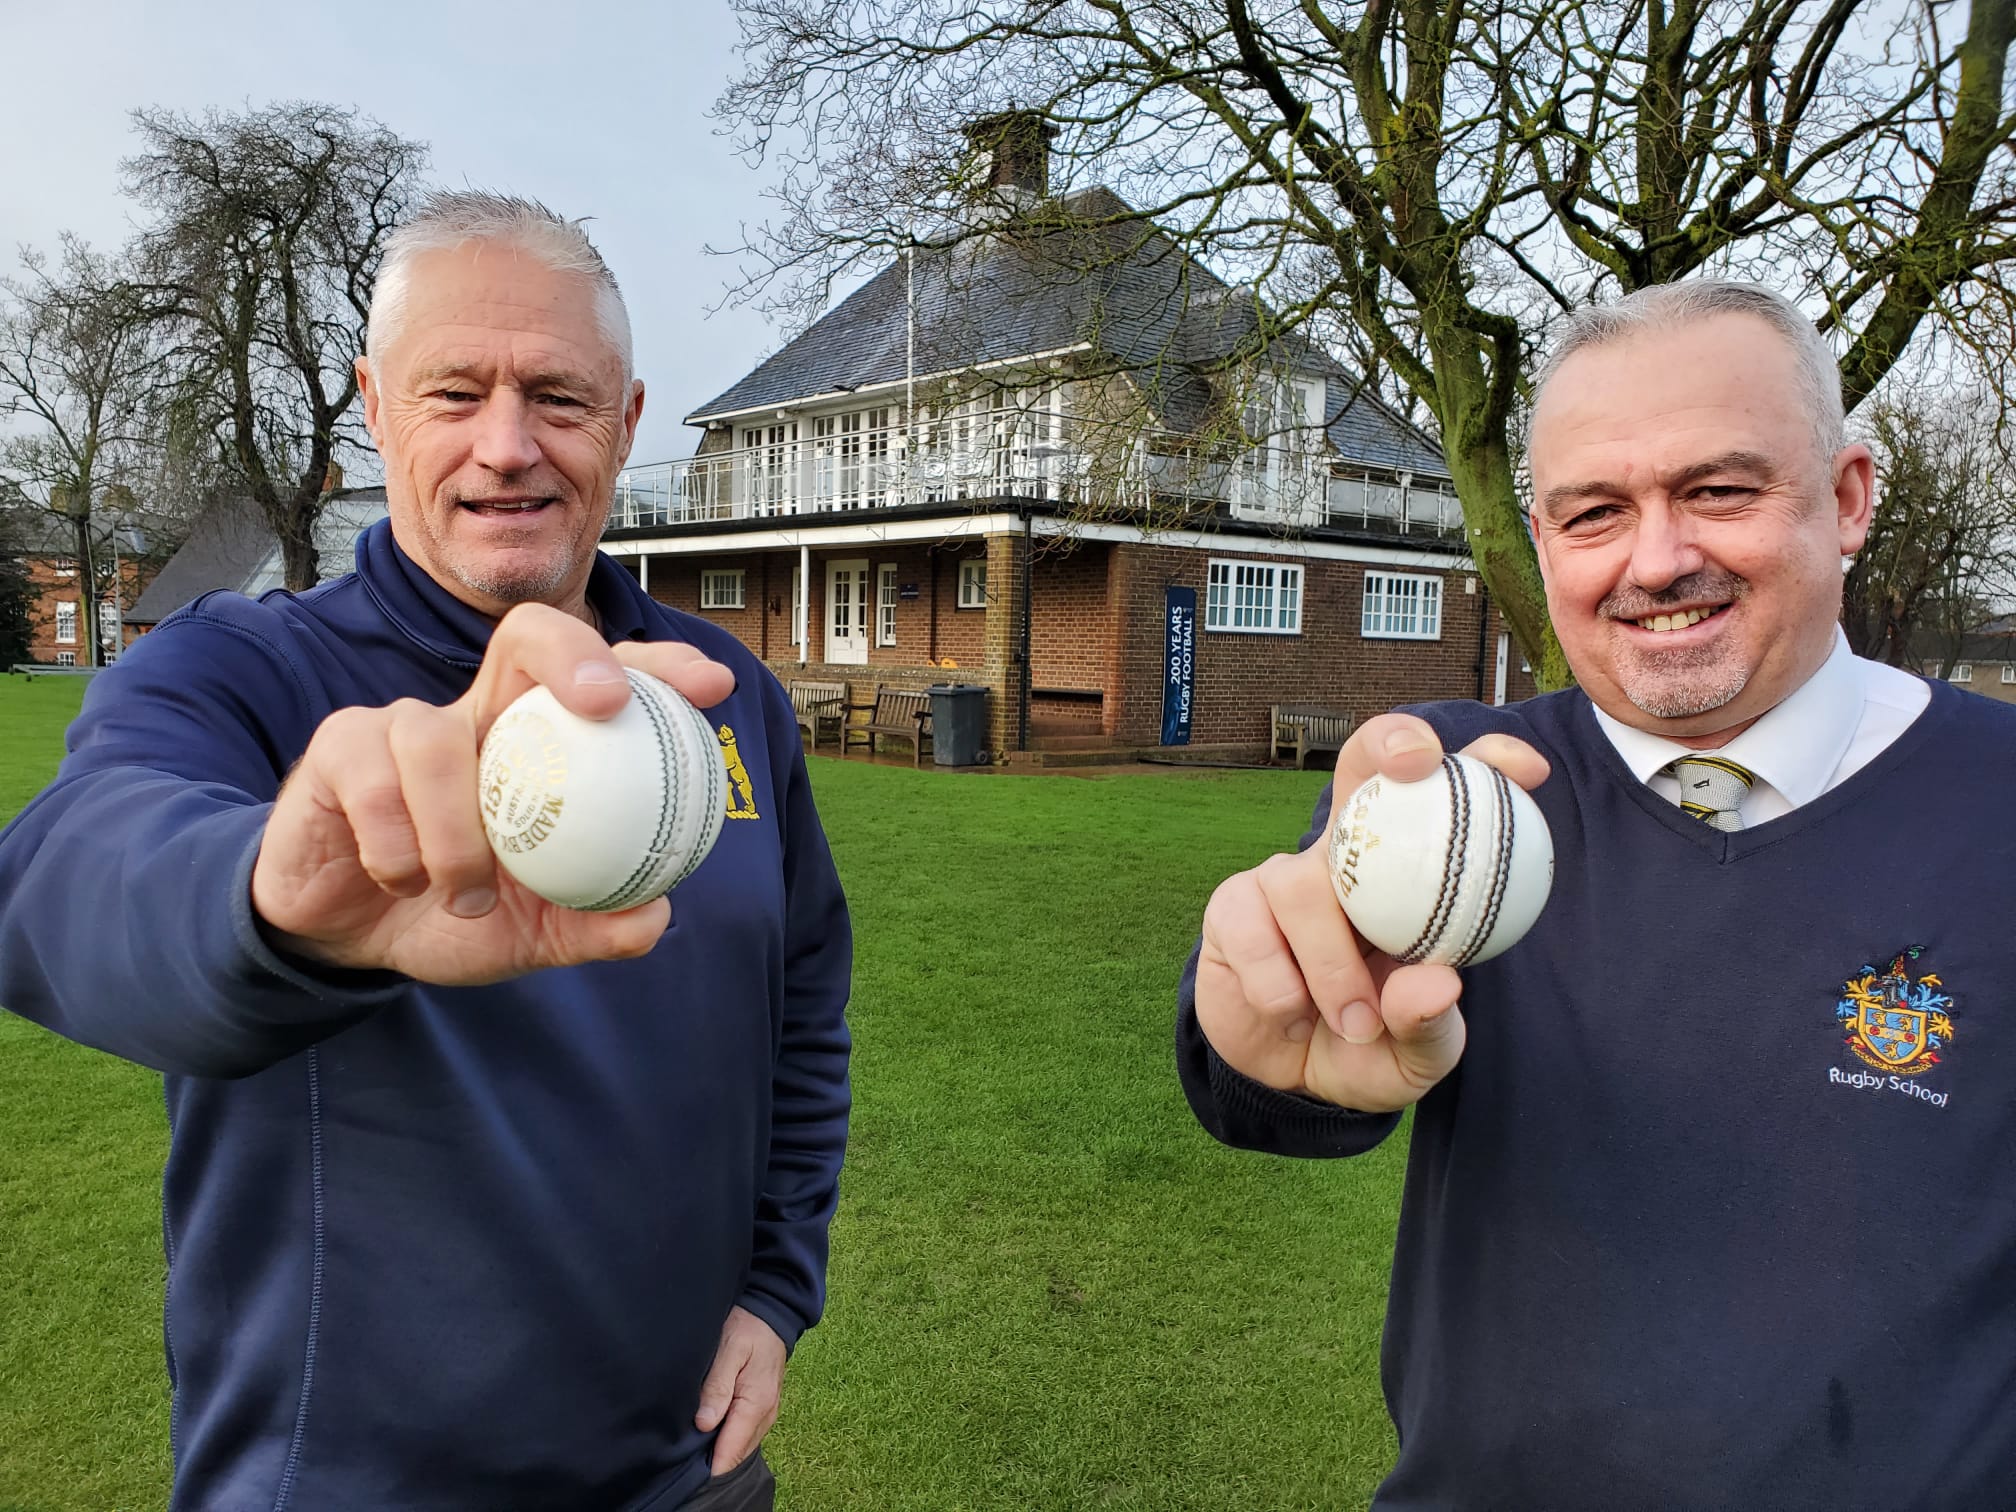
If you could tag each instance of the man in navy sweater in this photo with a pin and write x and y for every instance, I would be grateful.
(1708, 1203)
(472, 1201)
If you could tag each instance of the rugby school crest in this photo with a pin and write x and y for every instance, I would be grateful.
(1896, 1022)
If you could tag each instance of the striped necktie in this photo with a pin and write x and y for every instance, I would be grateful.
(1711, 789)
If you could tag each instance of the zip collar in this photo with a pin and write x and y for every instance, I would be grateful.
(444, 627)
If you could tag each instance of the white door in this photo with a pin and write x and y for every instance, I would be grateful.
(1504, 655)
(847, 612)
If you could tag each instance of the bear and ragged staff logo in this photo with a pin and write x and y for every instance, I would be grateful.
(1895, 1022)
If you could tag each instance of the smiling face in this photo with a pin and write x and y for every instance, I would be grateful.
(503, 415)
(1689, 534)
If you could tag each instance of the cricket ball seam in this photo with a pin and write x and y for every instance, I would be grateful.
(714, 806)
(668, 803)
(1461, 873)
(1502, 835)
(1452, 866)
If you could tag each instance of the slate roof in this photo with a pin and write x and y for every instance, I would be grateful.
(1092, 273)
(1989, 643)
(231, 546)
(26, 531)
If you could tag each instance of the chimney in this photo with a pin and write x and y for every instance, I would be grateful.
(1016, 144)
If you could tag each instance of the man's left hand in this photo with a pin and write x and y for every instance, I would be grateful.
(741, 1390)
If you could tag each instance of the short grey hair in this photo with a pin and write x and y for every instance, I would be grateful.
(1666, 307)
(450, 217)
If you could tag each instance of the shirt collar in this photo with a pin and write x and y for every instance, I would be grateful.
(1795, 747)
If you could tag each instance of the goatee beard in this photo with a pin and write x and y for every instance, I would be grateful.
(1685, 703)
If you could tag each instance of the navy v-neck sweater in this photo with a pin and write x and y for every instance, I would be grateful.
(1718, 1210)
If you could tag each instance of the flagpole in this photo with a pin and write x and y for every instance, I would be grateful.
(910, 367)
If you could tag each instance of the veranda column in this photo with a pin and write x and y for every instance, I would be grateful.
(1003, 668)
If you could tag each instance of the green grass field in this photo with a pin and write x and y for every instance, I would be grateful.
(1049, 1288)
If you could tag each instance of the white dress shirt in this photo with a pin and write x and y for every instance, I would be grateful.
(1830, 727)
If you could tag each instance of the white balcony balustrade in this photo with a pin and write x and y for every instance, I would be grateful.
(874, 467)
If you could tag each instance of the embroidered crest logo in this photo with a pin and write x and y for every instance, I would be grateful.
(1896, 1022)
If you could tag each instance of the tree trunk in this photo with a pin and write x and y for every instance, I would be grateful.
(1477, 445)
(298, 557)
(87, 592)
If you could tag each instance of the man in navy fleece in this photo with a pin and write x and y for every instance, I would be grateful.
(1709, 1201)
(472, 1201)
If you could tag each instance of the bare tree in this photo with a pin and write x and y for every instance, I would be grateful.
(1434, 180)
(1942, 546)
(268, 228)
(75, 354)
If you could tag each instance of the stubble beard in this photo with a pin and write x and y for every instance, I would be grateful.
(523, 584)
(527, 586)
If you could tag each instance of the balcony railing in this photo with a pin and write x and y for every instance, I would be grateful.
(1290, 486)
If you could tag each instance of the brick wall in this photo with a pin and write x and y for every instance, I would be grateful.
(53, 581)
(1240, 676)
(930, 627)
(1070, 630)
(1096, 637)
(962, 633)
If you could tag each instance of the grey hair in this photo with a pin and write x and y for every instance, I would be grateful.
(447, 218)
(1666, 307)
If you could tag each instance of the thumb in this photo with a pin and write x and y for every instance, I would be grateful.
(576, 937)
(717, 1392)
(1418, 1005)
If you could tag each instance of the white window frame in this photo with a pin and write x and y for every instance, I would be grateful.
(885, 604)
(1963, 672)
(2008, 673)
(66, 658)
(1247, 597)
(973, 583)
(771, 457)
(1401, 606)
(66, 622)
(797, 607)
(722, 588)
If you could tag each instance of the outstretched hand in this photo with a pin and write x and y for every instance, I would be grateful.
(375, 857)
(1289, 994)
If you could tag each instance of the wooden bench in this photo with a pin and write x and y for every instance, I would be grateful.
(33, 670)
(819, 705)
(899, 713)
(1301, 730)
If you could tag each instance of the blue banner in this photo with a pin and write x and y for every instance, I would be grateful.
(1179, 665)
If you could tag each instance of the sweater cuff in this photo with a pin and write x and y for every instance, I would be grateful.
(783, 1321)
(1299, 1124)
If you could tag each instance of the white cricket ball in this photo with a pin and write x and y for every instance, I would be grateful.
(602, 814)
(1453, 868)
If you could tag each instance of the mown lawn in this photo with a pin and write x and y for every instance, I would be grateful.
(1049, 1288)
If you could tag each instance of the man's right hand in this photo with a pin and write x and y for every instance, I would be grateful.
(374, 856)
(1290, 994)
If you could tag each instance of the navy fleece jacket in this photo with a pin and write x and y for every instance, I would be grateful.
(436, 1248)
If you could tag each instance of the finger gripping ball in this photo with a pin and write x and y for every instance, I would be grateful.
(1453, 868)
(602, 814)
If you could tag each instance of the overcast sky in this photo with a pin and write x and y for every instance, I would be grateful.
(598, 111)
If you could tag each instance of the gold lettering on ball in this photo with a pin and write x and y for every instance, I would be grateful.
(523, 782)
